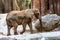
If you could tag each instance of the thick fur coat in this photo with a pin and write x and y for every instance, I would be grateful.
(15, 18)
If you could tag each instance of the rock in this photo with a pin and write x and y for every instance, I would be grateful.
(49, 22)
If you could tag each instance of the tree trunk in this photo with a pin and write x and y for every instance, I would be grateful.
(6, 5)
(42, 7)
(9, 5)
(1, 6)
(51, 6)
(58, 7)
(15, 5)
(31, 3)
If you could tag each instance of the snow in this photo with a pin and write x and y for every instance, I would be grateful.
(27, 35)
(41, 36)
(3, 23)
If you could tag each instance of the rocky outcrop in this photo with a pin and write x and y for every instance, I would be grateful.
(49, 22)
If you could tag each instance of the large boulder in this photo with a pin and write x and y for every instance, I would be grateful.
(49, 22)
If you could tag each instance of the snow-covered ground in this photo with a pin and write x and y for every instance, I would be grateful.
(26, 35)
